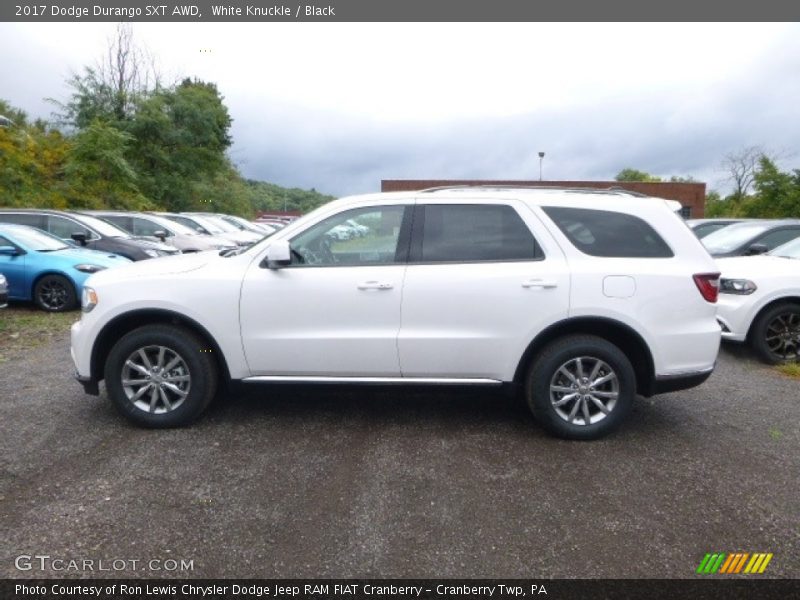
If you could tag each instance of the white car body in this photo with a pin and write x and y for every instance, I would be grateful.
(776, 279)
(439, 322)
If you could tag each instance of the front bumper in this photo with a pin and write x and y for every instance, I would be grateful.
(80, 351)
(734, 315)
(90, 386)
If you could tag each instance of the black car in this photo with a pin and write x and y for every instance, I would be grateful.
(751, 237)
(88, 231)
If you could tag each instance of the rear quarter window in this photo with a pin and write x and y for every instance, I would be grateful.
(608, 234)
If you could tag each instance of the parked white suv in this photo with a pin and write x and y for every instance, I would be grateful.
(580, 299)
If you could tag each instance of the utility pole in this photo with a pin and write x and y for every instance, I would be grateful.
(541, 158)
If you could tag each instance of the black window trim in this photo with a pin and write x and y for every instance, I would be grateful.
(415, 254)
(403, 239)
(672, 254)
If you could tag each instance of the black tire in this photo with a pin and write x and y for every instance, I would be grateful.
(775, 333)
(55, 293)
(171, 409)
(593, 352)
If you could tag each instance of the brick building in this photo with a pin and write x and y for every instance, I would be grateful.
(692, 196)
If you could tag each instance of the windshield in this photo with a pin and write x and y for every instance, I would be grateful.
(36, 240)
(733, 236)
(104, 228)
(221, 223)
(788, 250)
(172, 226)
(195, 221)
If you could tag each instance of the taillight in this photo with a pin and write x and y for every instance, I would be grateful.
(708, 284)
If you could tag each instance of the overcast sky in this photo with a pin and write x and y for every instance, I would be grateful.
(339, 107)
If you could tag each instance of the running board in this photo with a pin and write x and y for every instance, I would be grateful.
(370, 380)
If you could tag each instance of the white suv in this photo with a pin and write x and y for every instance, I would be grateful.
(580, 299)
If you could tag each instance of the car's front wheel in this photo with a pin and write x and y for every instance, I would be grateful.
(775, 335)
(580, 387)
(161, 376)
(55, 293)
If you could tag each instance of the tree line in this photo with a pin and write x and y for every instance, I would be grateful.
(124, 140)
(759, 188)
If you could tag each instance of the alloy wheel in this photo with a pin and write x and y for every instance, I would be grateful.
(156, 379)
(584, 390)
(53, 295)
(783, 335)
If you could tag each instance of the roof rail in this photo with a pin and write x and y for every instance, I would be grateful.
(533, 188)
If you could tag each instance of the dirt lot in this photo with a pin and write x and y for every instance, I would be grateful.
(313, 482)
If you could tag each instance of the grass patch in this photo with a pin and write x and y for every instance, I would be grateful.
(790, 370)
(23, 328)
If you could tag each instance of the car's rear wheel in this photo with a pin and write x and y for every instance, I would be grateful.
(55, 293)
(580, 387)
(161, 376)
(775, 335)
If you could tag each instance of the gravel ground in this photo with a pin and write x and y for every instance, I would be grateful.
(310, 482)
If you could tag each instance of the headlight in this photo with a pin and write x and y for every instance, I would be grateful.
(88, 299)
(152, 253)
(89, 268)
(742, 287)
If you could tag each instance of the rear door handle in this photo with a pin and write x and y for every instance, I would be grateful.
(539, 283)
(375, 285)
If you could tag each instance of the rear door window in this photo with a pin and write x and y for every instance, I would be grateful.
(608, 233)
(473, 233)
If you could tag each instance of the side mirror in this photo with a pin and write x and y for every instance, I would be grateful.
(79, 237)
(161, 234)
(755, 249)
(8, 251)
(279, 254)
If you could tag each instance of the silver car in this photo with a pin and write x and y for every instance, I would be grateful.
(175, 234)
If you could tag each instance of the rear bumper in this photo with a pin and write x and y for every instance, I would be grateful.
(682, 381)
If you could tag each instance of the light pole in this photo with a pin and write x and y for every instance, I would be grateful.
(541, 158)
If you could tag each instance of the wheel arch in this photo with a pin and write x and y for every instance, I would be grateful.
(127, 322)
(620, 334)
(42, 274)
(792, 299)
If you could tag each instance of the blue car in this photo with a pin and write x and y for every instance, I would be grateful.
(42, 268)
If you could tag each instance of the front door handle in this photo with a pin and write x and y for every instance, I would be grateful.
(375, 285)
(539, 283)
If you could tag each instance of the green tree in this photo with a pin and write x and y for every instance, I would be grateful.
(635, 175)
(32, 160)
(179, 136)
(99, 175)
(777, 192)
(111, 89)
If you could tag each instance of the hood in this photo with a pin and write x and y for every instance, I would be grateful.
(165, 266)
(755, 267)
(77, 256)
